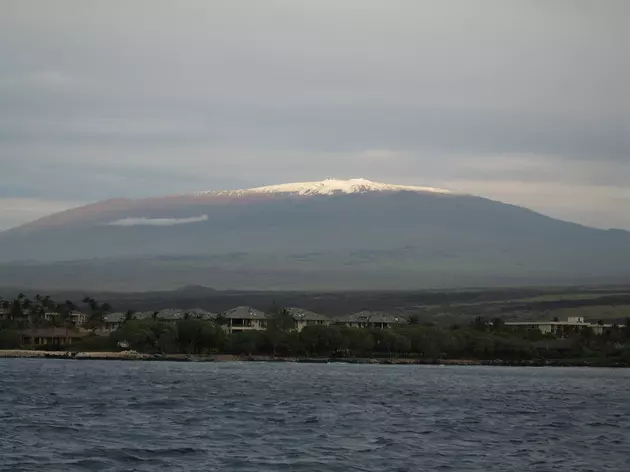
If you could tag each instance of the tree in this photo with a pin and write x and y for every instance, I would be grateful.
(392, 342)
(356, 341)
(279, 323)
(414, 319)
(321, 340)
(498, 324)
(280, 320)
(212, 337)
(221, 319)
(97, 312)
(246, 342)
(480, 323)
(10, 339)
(16, 310)
(423, 340)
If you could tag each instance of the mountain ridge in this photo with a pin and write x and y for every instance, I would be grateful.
(330, 233)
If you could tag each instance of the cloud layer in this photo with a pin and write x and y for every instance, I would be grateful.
(142, 221)
(525, 102)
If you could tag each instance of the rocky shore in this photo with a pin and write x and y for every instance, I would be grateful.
(137, 356)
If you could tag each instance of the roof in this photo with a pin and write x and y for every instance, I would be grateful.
(245, 313)
(366, 316)
(143, 315)
(55, 333)
(170, 314)
(201, 314)
(302, 314)
(114, 317)
(550, 323)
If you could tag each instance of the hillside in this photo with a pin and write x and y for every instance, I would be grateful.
(316, 235)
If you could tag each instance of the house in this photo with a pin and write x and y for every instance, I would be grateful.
(175, 314)
(54, 336)
(171, 315)
(303, 318)
(371, 319)
(200, 314)
(573, 325)
(145, 315)
(77, 318)
(113, 321)
(244, 318)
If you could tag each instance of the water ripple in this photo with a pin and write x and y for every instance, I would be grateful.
(63, 415)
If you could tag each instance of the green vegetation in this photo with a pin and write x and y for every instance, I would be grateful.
(475, 341)
(479, 339)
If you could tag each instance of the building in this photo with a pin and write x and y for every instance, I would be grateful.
(53, 336)
(560, 329)
(371, 319)
(244, 318)
(77, 318)
(303, 318)
(113, 321)
(200, 314)
(172, 315)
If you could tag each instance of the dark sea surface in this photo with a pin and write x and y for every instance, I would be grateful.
(64, 415)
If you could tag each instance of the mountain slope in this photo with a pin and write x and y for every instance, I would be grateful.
(347, 234)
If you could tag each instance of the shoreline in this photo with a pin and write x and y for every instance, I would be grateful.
(137, 356)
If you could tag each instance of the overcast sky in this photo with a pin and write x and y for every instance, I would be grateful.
(526, 102)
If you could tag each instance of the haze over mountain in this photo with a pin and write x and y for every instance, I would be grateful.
(333, 234)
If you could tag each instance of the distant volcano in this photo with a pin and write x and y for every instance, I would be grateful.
(332, 234)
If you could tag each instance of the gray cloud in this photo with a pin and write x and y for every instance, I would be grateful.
(151, 97)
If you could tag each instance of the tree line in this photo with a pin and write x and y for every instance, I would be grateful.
(477, 340)
(480, 339)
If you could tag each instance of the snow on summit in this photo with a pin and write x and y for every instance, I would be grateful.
(328, 187)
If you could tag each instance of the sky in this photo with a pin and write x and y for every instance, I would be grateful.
(524, 102)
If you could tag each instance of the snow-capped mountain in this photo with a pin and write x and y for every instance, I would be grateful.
(327, 187)
(332, 234)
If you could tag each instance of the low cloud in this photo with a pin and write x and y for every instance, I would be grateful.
(142, 221)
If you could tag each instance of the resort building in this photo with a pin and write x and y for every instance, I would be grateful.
(244, 318)
(77, 318)
(573, 325)
(200, 314)
(54, 336)
(371, 319)
(113, 321)
(303, 318)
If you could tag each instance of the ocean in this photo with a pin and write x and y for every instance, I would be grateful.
(65, 415)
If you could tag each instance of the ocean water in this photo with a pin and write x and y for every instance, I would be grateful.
(64, 415)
